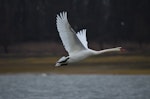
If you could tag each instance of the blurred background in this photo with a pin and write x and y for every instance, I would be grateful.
(30, 46)
(28, 27)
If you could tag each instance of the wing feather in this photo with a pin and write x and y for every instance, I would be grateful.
(67, 34)
(82, 37)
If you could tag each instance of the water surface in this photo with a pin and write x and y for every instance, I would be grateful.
(52, 86)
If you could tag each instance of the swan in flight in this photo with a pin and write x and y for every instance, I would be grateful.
(75, 43)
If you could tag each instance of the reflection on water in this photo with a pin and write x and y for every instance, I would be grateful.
(51, 86)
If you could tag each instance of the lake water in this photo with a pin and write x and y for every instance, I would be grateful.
(53, 86)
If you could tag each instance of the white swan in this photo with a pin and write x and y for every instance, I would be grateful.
(75, 44)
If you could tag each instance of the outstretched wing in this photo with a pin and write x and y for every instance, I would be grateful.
(67, 34)
(82, 37)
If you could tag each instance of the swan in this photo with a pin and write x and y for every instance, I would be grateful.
(75, 43)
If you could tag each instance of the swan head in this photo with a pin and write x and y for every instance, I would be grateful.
(62, 61)
(122, 49)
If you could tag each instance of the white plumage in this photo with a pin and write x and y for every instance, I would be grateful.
(82, 37)
(67, 34)
(75, 43)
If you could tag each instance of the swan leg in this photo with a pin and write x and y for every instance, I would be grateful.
(64, 61)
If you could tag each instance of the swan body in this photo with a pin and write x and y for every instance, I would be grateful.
(75, 43)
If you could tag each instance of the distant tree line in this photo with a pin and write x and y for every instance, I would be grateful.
(105, 20)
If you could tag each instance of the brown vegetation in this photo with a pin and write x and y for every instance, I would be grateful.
(129, 64)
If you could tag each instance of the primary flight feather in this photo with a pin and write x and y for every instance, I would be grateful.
(67, 34)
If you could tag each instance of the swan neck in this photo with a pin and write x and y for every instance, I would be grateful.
(107, 50)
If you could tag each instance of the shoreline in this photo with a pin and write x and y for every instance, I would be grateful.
(94, 65)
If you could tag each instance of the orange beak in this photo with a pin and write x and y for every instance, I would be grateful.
(122, 50)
